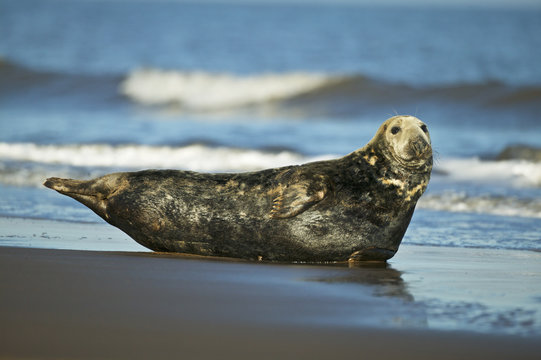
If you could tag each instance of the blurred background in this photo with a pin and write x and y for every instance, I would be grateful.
(96, 86)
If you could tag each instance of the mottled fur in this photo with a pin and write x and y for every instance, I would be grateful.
(355, 207)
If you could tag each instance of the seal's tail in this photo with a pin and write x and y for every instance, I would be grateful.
(92, 193)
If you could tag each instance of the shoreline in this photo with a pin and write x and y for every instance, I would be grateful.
(17, 231)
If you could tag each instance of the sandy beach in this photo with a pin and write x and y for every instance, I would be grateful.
(428, 302)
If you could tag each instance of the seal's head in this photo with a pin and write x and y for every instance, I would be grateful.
(406, 140)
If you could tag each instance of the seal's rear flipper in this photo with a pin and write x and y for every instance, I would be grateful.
(66, 186)
(91, 193)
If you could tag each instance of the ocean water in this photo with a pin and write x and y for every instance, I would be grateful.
(93, 87)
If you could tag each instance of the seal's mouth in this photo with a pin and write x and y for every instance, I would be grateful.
(372, 254)
(415, 155)
(418, 150)
(420, 147)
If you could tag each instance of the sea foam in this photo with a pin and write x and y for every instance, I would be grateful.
(203, 91)
(196, 157)
(520, 173)
(485, 204)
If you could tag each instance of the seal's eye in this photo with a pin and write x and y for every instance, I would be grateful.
(423, 127)
(395, 130)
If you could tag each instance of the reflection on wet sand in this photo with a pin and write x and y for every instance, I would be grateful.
(338, 294)
(380, 276)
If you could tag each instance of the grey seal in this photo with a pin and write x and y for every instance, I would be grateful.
(357, 207)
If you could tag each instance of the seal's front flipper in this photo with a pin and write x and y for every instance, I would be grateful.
(298, 197)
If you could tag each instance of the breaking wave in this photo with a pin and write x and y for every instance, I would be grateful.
(204, 91)
(518, 173)
(301, 92)
(197, 157)
(207, 91)
(484, 204)
(511, 177)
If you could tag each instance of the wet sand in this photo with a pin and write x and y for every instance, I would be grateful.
(428, 303)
